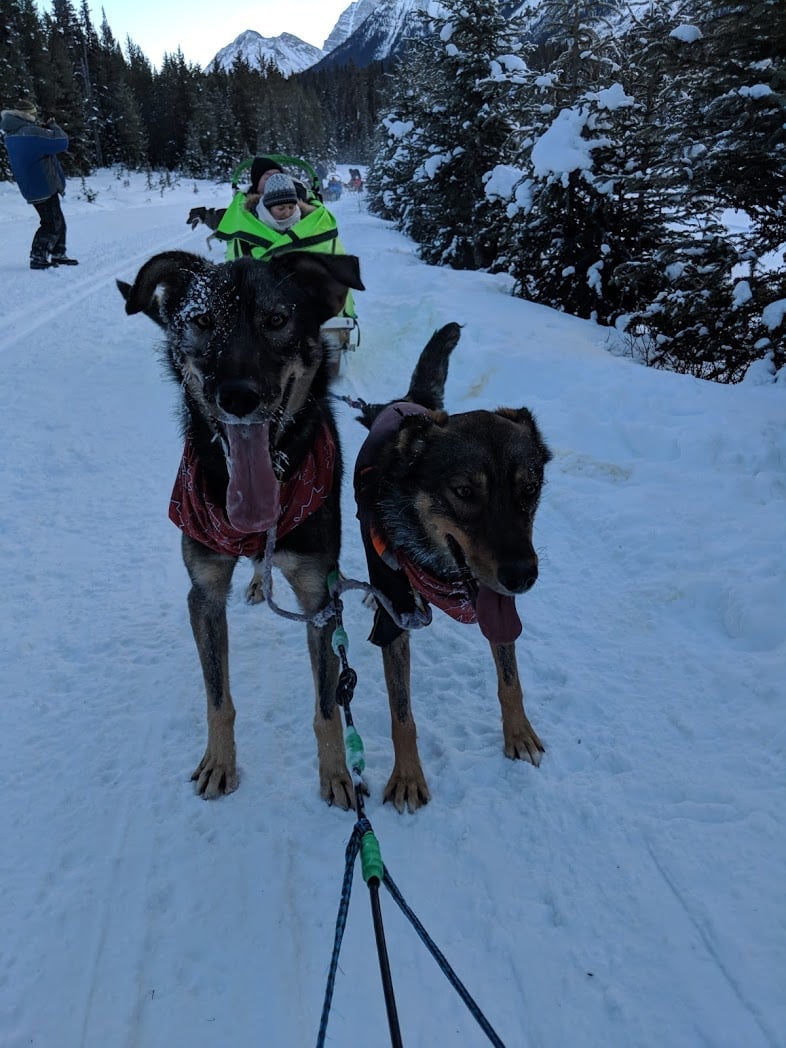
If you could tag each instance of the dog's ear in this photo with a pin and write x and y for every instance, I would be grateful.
(415, 432)
(325, 277)
(524, 417)
(158, 280)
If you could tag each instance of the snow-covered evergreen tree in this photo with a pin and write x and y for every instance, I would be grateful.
(399, 146)
(572, 217)
(722, 145)
(446, 131)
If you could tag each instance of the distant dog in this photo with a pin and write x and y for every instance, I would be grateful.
(208, 216)
(261, 451)
(446, 505)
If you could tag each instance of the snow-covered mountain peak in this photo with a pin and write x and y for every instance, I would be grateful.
(288, 53)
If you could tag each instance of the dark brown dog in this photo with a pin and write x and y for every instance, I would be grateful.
(446, 505)
(243, 343)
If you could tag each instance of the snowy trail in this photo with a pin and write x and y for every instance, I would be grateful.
(629, 892)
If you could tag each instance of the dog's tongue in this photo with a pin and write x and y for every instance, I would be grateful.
(497, 616)
(253, 492)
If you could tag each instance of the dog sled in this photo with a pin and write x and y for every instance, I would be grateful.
(301, 170)
(334, 187)
(243, 234)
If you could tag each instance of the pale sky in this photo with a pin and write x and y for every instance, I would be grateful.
(200, 28)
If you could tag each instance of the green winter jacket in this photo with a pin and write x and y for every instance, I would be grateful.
(244, 234)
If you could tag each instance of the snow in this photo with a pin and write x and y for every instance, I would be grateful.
(397, 128)
(773, 314)
(741, 294)
(627, 892)
(561, 148)
(687, 34)
(511, 68)
(433, 163)
(756, 91)
(612, 97)
(501, 181)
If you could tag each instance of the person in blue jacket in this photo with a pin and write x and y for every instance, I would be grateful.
(32, 151)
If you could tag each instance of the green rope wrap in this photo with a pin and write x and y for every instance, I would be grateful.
(353, 746)
(339, 640)
(371, 857)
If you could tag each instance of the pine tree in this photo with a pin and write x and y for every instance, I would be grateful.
(463, 128)
(22, 59)
(707, 289)
(173, 102)
(398, 147)
(62, 92)
(574, 218)
(123, 138)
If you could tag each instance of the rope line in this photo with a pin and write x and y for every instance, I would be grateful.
(442, 961)
(353, 847)
(364, 840)
(407, 621)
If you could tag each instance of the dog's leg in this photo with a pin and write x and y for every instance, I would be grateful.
(521, 740)
(255, 591)
(407, 785)
(310, 586)
(211, 576)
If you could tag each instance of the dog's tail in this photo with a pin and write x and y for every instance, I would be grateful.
(427, 385)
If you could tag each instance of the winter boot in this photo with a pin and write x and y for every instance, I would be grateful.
(61, 260)
(39, 263)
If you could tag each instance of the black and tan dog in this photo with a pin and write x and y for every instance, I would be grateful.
(208, 216)
(446, 505)
(261, 451)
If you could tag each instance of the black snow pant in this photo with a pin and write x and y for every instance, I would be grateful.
(50, 237)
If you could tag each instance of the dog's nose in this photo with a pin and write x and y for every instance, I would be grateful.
(517, 576)
(238, 397)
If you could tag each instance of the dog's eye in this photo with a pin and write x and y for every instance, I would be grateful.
(202, 320)
(276, 320)
(463, 492)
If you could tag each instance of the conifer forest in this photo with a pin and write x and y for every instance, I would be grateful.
(620, 161)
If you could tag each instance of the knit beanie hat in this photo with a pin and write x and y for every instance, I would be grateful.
(27, 107)
(279, 189)
(260, 165)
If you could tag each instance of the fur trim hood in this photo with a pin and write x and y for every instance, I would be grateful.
(12, 119)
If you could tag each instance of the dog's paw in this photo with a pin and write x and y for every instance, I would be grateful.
(522, 744)
(407, 789)
(337, 788)
(254, 591)
(214, 777)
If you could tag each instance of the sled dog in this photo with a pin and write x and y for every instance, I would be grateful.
(261, 451)
(446, 505)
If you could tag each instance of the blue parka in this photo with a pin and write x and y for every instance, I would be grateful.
(33, 150)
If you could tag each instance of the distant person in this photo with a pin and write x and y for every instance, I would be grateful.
(32, 150)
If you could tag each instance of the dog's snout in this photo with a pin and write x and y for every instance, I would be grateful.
(239, 397)
(518, 576)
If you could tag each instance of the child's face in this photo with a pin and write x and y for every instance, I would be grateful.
(282, 211)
